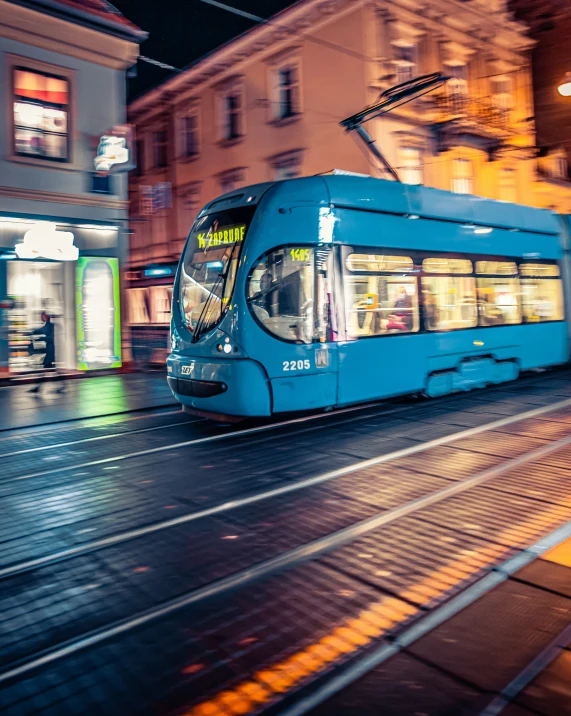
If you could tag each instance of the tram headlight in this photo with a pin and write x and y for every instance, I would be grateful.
(225, 347)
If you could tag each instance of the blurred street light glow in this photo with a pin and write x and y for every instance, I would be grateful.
(565, 86)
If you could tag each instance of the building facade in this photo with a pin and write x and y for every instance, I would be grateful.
(63, 225)
(549, 23)
(267, 106)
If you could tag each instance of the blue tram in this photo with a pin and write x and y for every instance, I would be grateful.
(332, 290)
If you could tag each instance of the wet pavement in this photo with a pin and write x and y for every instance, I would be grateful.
(155, 563)
(81, 398)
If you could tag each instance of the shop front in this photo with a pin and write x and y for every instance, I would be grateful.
(69, 272)
(149, 298)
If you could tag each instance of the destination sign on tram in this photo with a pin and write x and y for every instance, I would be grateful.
(221, 237)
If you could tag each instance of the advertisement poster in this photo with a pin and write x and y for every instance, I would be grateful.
(98, 314)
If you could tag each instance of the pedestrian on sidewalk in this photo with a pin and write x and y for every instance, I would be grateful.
(47, 333)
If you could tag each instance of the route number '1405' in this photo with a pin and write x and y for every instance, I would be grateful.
(296, 365)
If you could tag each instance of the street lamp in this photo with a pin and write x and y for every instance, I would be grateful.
(565, 86)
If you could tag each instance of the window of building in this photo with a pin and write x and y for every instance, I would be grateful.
(282, 173)
(405, 62)
(138, 306)
(230, 119)
(507, 185)
(188, 135)
(458, 82)
(285, 99)
(41, 115)
(410, 170)
(101, 184)
(160, 148)
(227, 184)
(449, 302)
(542, 297)
(378, 303)
(559, 167)
(286, 165)
(462, 177)
(188, 205)
(498, 296)
(140, 157)
(502, 92)
(230, 180)
(161, 302)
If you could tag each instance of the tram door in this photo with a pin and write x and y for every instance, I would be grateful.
(291, 293)
(379, 356)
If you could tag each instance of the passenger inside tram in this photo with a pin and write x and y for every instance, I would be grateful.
(430, 310)
(490, 312)
(378, 305)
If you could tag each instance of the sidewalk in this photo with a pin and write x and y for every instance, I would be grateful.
(87, 398)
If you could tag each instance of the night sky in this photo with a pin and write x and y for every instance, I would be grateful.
(182, 31)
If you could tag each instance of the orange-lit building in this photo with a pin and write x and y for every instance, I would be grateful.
(549, 23)
(268, 105)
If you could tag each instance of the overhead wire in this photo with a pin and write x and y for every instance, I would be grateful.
(276, 22)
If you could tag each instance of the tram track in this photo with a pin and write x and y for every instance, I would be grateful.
(359, 667)
(98, 438)
(247, 432)
(293, 557)
(234, 504)
(229, 433)
(215, 438)
(32, 431)
(73, 423)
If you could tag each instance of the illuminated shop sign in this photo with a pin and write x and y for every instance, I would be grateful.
(43, 241)
(222, 237)
(115, 150)
(158, 271)
(98, 314)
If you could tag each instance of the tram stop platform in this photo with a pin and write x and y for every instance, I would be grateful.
(80, 399)
(507, 652)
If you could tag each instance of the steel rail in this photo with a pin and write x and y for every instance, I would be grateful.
(128, 535)
(361, 666)
(288, 559)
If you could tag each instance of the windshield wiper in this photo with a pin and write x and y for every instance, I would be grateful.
(204, 313)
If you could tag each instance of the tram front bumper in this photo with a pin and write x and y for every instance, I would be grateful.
(226, 387)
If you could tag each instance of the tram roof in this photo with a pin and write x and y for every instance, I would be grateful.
(371, 194)
(380, 195)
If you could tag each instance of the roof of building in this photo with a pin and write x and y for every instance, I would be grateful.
(540, 15)
(99, 14)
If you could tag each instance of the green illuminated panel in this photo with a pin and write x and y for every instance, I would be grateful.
(98, 313)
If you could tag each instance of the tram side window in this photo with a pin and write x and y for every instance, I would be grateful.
(381, 305)
(280, 293)
(541, 293)
(449, 302)
(498, 293)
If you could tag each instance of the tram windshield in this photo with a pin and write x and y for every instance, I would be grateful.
(209, 265)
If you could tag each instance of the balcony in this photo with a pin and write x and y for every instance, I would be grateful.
(460, 120)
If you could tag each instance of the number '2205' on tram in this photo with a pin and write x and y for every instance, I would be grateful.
(332, 290)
